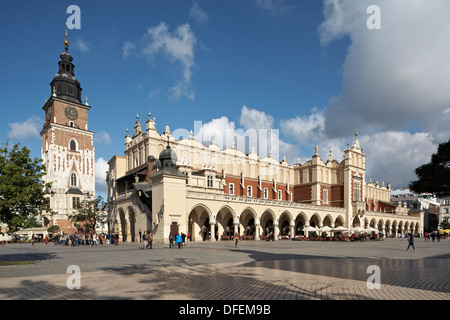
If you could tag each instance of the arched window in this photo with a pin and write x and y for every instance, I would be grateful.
(73, 179)
(72, 145)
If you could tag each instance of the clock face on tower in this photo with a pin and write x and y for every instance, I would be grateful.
(71, 112)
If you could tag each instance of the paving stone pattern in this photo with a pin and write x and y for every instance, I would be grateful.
(280, 270)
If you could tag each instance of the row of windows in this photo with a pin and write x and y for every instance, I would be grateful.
(59, 88)
(250, 192)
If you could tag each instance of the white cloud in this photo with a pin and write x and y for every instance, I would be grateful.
(197, 14)
(305, 130)
(101, 167)
(128, 48)
(255, 119)
(102, 137)
(394, 155)
(154, 93)
(290, 151)
(222, 129)
(390, 155)
(82, 45)
(256, 132)
(393, 78)
(274, 7)
(30, 128)
(177, 47)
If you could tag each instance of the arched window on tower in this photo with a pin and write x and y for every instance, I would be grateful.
(72, 145)
(73, 179)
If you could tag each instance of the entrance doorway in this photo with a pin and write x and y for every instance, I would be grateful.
(174, 228)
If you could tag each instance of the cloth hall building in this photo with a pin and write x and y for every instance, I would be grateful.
(164, 185)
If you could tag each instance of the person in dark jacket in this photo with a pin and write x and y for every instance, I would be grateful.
(171, 238)
(411, 242)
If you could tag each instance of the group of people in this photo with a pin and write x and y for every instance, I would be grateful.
(85, 239)
(433, 235)
(181, 239)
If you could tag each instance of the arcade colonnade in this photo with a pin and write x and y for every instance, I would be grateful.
(208, 217)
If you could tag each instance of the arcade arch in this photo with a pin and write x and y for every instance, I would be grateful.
(267, 222)
(285, 223)
(248, 219)
(301, 221)
(315, 221)
(225, 221)
(199, 223)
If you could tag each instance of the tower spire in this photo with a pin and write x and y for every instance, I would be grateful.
(66, 42)
(67, 86)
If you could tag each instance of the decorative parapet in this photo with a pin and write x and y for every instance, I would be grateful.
(391, 215)
(257, 201)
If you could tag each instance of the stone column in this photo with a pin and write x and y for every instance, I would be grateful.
(275, 231)
(292, 230)
(128, 230)
(257, 231)
(212, 227)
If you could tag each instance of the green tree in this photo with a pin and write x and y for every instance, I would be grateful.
(89, 212)
(434, 177)
(53, 229)
(22, 191)
(445, 224)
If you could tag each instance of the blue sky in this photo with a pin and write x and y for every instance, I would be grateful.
(311, 69)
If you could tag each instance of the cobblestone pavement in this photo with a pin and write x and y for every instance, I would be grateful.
(280, 270)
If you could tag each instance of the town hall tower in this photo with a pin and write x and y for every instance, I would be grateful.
(67, 145)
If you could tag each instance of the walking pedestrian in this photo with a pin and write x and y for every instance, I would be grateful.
(145, 239)
(150, 240)
(411, 242)
(171, 238)
(236, 237)
(46, 240)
